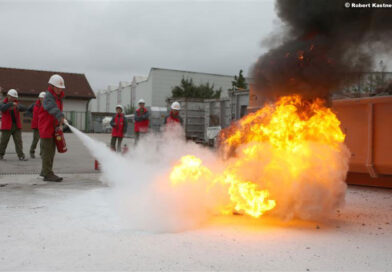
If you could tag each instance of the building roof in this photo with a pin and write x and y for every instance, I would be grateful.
(32, 82)
(190, 72)
(138, 79)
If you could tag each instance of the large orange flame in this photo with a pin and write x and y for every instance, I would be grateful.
(285, 130)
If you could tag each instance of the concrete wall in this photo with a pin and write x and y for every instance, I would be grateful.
(144, 90)
(163, 80)
(155, 89)
(239, 103)
(113, 100)
(102, 102)
(75, 105)
(107, 100)
(93, 106)
(126, 96)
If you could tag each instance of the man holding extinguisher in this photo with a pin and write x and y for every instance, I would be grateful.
(51, 118)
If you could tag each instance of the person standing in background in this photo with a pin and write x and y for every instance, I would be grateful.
(142, 120)
(119, 127)
(33, 110)
(174, 115)
(11, 124)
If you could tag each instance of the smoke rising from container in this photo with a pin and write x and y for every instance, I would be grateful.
(325, 47)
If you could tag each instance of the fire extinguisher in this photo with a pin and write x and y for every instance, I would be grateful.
(60, 140)
(96, 165)
(125, 149)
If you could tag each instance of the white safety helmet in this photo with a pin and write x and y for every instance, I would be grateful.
(41, 95)
(13, 93)
(57, 81)
(175, 106)
(121, 107)
(141, 101)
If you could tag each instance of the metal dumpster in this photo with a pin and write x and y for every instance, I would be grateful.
(367, 123)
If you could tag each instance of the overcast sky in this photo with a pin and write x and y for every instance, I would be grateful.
(111, 41)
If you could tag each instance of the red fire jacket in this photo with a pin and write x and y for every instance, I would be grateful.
(49, 114)
(34, 121)
(141, 120)
(6, 120)
(118, 124)
(173, 119)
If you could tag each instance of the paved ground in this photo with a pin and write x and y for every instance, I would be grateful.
(64, 163)
(72, 226)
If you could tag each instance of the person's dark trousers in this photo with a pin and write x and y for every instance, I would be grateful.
(35, 141)
(113, 143)
(48, 150)
(16, 135)
(139, 135)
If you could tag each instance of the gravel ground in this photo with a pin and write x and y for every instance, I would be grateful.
(72, 226)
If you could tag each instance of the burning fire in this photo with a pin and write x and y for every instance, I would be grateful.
(267, 152)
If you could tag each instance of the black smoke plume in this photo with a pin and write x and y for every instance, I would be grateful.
(326, 45)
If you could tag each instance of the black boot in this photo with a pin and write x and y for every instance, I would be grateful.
(53, 178)
(58, 178)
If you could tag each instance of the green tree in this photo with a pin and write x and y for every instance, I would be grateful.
(239, 81)
(129, 109)
(380, 76)
(188, 89)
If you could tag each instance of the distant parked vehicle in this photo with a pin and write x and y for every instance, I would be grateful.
(106, 124)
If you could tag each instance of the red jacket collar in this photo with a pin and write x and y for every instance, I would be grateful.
(144, 109)
(38, 102)
(6, 100)
(60, 96)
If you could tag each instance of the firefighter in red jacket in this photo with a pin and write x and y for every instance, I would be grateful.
(174, 117)
(11, 124)
(50, 117)
(142, 120)
(119, 127)
(33, 111)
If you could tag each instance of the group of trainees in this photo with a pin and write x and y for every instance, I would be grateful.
(141, 122)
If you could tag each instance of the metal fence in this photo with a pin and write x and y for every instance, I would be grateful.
(77, 119)
(200, 114)
(157, 115)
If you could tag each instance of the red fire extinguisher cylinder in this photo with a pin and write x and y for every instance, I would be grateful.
(60, 140)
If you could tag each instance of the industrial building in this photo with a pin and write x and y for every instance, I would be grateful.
(155, 89)
(29, 83)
